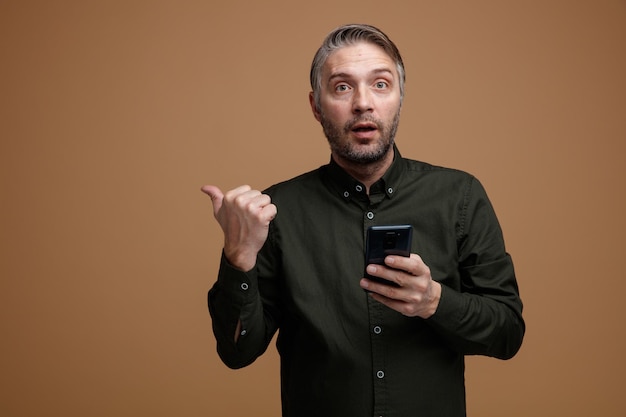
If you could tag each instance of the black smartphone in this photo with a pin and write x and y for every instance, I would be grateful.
(387, 240)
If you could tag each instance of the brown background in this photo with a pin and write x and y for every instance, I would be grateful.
(114, 113)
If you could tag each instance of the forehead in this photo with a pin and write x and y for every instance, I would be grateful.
(358, 59)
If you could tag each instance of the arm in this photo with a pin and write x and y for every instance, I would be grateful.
(244, 216)
(239, 307)
(485, 318)
(482, 314)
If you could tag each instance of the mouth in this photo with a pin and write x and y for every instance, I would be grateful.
(364, 130)
(364, 127)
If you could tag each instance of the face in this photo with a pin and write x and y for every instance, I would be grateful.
(359, 103)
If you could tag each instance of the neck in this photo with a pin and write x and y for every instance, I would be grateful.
(367, 174)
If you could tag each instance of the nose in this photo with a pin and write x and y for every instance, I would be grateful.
(362, 101)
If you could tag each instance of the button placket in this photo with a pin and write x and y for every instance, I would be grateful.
(377, 320)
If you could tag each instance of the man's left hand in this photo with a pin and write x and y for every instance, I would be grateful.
(416, 294)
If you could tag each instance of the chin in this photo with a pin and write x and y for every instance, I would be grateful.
(366, 154)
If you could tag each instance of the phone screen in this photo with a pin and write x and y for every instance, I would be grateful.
(387, 240)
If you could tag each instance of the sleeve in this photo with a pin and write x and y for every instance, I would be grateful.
(236, 297)
(485, 316)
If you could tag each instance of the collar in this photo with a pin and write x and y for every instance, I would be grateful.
(349, 188)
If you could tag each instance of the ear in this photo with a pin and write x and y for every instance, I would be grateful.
(314, 109)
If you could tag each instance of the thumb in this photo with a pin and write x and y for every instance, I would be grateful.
(216, 196)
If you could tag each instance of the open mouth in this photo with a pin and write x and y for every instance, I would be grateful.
(364, 127)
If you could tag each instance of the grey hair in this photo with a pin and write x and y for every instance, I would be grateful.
(349, 35)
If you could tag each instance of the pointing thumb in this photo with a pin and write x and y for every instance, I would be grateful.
(216, 196)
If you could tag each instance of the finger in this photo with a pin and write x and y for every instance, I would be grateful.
(247, 198)
(414, 264)
(382, 291)
(274, 211)
(270, 211)
(216, 196)
(383, 272)
(266, 210)
(241, 196)
(242, 189)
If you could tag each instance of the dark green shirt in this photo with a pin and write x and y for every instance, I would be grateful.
(342, 353)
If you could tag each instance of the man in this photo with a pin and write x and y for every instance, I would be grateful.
(293, 259)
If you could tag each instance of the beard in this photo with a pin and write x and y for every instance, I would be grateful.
(341, 145)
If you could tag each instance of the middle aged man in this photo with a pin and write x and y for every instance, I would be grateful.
(391, 350)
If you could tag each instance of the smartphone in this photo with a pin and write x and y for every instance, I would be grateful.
(387, 240)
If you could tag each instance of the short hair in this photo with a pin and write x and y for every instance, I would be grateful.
(350, 35)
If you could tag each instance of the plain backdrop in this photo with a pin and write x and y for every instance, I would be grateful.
(114, 113)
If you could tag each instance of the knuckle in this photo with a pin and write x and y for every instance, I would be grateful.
(407, 310)
(415, 299)
(390, 292)
(232, 198)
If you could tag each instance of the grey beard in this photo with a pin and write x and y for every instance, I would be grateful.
(348, 152)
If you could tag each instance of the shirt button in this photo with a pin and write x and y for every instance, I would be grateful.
(370, 215)
(390, 190)
(380, 374)
(244, 286)
(346, 194)
(359, 188)
(243, 332)
(377, 329)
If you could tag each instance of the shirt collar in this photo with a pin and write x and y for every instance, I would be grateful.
(349, 188)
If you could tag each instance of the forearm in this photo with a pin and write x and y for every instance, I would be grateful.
(480, 310)
(240, 327)
(479, 325)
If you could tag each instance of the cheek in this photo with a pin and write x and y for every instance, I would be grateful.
(335, 108)
(391, 110)
(336, 113)
(336, 104)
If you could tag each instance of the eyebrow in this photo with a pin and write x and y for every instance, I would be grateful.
(375, 71)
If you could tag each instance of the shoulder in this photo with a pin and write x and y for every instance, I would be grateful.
(297, 184)
(415, 168)
(443, 183)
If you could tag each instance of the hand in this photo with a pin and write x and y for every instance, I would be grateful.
(416, 295)
(244, 215)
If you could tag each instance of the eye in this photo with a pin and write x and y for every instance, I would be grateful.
(381, 84)
(342, 88)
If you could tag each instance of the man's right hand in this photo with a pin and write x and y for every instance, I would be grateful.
(244, 215)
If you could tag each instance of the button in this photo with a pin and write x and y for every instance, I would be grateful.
(377, 329)
(359, 188)
(243, 332)
(346, 194)
(390, 190)
(244, 286)
(370, 215)
(380, 374)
